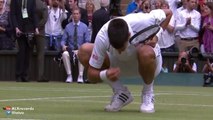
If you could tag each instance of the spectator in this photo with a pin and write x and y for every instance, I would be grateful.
(167, 38)
(208, 67)
(145, 6)
(73, 4)
(82, 3)
(173, 5)
(208, 72)
(6, 29)
(183, 5)
(25, 21)
(202, 8)
(188, 24)
(39, 41)
(75, 34)
(208, 28)
(185, 64)
(176, 16)
(100, 17)
(53, 28)
(115, 8)
(90, 7)
(133, 6)
(158, 4)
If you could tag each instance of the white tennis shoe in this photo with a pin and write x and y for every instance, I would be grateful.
(80, 79)
(119, 100)
(148, 104)
(69, 79)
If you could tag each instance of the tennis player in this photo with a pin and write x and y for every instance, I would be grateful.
(112, 57)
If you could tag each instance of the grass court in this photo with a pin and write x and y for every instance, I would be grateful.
(61, 101)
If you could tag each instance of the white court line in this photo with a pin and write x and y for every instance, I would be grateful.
(106, 91)
(51, 98)
(52, 89)
(77, 97)
(137, 103)
(17, 119)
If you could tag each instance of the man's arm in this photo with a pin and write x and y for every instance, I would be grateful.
(111, 74)
(195, 23)
(93, 74)
(165, 23)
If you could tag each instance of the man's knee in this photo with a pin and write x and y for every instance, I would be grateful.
(146, 52)
(65, 54)
(84, 53)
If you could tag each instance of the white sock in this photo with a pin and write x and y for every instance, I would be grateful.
(81, 69)
(148, 89)
(116, 86)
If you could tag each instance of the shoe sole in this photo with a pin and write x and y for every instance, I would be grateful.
(145, 111)
(118, 109)
(68, 82)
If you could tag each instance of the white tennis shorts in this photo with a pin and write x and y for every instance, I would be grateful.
(129, 65)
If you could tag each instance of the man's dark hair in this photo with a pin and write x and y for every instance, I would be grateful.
(118, 33)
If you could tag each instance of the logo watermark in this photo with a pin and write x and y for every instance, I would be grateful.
(9, 110)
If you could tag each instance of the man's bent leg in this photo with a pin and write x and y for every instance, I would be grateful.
(121, 95)
(147, 69)
(84, 53)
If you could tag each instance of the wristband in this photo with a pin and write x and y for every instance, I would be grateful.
(103, 75)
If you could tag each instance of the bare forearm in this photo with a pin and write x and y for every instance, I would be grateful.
(93, 75)
(165, 23)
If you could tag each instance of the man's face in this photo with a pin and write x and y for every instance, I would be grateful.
(192, 4)
(120, 50)
(55, 3)
(76, 15)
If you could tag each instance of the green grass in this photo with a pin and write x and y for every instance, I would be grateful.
(60, 101)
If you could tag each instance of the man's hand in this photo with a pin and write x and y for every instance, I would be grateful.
(188, 21)
(152, 42)
(113, 73)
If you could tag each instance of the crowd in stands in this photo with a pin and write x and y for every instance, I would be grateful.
(53, 25)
